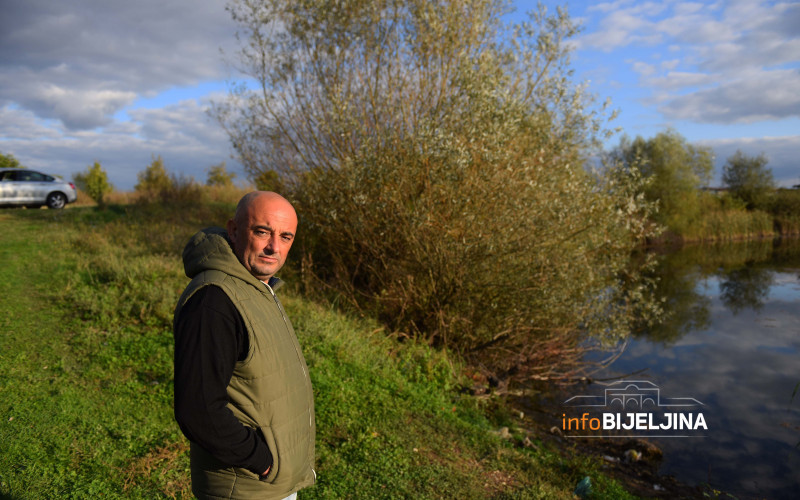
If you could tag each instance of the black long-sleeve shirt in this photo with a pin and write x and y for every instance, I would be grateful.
(210, 337)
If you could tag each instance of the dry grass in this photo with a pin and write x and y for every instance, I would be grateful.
(113, 198)
(215, 194)
(160, 464)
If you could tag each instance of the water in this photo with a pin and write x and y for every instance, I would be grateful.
(733, 344)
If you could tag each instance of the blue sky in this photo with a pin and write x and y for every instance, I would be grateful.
(92, 80)
(723, 74)
(715, 67)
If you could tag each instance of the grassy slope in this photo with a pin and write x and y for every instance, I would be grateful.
(86, 380)
(80, 402)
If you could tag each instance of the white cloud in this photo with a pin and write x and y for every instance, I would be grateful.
(68, 69)
(622, 27)
(698, 30)
(688, 8)
(84, 60)
(183, 134)
(759, 96)
(680, 80)
(22, 125)
(670, 65)
(609, 6)
(82, 109)
(643, 69)
(738, 60)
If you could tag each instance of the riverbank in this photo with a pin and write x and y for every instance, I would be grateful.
(633, 463)
(87, 380)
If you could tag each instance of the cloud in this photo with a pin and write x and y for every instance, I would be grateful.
(643, 69)
(81, 109)
(78, 79)
(18, 125)
(758, 96)
(619, 29)
(74, 75)
(82, 61)
(183, 134)
(737, 60)
(679, 80)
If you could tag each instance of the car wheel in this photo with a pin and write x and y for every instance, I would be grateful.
(56, 200)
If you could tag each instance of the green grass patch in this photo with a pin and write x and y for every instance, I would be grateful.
(729, 225)
(86, 379)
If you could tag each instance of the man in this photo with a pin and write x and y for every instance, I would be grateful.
(243, 395)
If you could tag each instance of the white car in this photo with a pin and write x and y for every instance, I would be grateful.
(24, 187)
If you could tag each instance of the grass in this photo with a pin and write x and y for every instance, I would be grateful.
(729, 225)
(80, 398)
(720, 224)
(86, 379)
(726, 218)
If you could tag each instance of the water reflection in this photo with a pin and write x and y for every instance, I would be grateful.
(745, 288)
(684, 308)
(731, 339)
(744, 272)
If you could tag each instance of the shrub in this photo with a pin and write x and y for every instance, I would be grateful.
(786, 202)
(156, 185)
(153, 180)
(436, 160)
(218, 175)
(94, 182)
(7, 160)
(724, 217)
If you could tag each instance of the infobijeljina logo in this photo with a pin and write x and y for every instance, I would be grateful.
(633, 408)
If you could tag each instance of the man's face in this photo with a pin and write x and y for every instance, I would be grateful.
(263, 234)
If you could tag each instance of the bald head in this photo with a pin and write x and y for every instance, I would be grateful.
(255, 199)
(262, 231)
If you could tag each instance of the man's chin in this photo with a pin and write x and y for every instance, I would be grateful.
(263, 273)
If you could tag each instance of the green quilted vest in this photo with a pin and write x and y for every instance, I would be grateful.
(270, 390)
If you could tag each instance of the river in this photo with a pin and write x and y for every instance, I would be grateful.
(730, 347)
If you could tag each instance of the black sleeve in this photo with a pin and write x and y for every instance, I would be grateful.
(210, 337)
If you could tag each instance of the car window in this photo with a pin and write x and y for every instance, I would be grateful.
(6, 176)
(23, 175)
(14, 175)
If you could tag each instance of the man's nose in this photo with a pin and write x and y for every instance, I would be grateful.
(271, 243)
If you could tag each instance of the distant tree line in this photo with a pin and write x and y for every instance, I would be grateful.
(676, 174)
(154, 183)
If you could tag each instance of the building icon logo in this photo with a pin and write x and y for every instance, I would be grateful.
(632, 394)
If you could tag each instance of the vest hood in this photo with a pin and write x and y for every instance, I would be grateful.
(210, 249)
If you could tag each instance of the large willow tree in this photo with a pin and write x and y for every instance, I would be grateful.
(436, 157)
